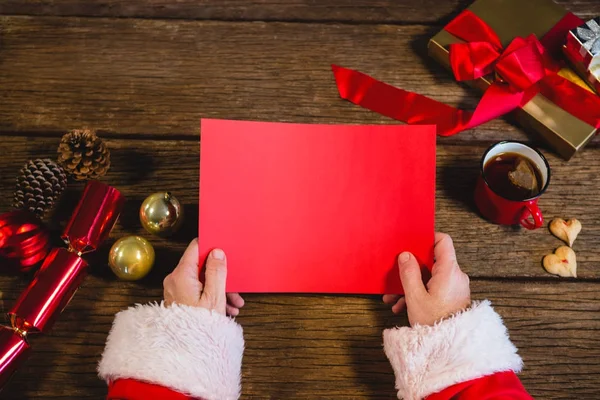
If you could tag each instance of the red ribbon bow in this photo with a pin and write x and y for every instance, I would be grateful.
(523, 70)
(521, 64)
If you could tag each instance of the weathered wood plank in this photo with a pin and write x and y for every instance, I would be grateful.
(152, 79)
(326, 346)
(141, 167)
(378, 11)
(132, 77)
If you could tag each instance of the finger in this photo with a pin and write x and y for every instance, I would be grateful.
(213, 296)
(167, 296)
(445, 255)
(232, 311)
(235, 300)
(188, 264)
(410, 275)
(399, 306)
(391, 298)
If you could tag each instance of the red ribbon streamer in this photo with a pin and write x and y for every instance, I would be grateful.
(525, 68)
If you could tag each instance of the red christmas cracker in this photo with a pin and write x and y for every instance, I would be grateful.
(61, 274)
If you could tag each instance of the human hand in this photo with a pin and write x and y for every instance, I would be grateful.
(183, 286)
(447, 291)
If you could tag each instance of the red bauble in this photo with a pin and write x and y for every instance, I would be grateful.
(24, 242)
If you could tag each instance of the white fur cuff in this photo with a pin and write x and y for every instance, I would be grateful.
(428, 359)
(191, 350)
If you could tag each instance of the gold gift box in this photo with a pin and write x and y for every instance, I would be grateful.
(566, 133)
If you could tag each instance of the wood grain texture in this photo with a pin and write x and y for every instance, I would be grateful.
(151, 77)
(143, 73)
(141, 167)
(302, 347)
(348, 11)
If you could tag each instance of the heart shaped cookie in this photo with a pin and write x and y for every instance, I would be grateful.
(562, 262)
(566, 231)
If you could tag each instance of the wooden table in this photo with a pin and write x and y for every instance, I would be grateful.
(144, 73)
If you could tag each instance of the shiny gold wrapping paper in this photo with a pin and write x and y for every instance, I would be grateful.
(509, 19)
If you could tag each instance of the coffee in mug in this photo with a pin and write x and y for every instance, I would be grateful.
(513, 177)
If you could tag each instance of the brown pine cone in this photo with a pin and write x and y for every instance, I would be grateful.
(83, 155)
(39, 185)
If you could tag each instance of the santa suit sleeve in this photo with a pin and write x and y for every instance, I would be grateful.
(172, 353)
(466, 357)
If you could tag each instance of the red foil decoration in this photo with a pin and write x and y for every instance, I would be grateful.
(94, 217)
(23, 240)
(14, 350)
(61, 274)
(63, 271)
(50, 291)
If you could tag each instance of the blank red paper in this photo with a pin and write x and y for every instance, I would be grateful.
(316, 208)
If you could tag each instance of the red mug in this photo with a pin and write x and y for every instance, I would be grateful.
(501, 210)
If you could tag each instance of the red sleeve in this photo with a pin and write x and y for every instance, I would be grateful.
(130, 389)
(499, 386)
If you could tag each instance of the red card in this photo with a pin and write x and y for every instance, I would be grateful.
(316, 208)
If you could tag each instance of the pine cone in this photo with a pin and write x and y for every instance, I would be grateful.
(83, 155)
(39, 185)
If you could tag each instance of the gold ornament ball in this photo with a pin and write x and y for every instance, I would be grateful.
(131, 258)
(161, 214)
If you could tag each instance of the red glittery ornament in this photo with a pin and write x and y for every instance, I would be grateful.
(24, 241)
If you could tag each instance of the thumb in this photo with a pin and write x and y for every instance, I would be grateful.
(410, 275)
(214, 297)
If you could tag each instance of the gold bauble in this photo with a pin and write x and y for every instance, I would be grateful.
(161, 214)
(131, 258)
